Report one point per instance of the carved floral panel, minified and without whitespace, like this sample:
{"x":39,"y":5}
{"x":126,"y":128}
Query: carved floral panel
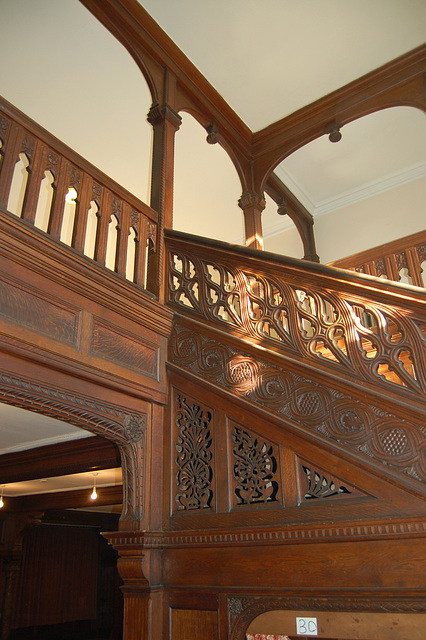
{"x":254,"y":470}
{"x":194,"y":459}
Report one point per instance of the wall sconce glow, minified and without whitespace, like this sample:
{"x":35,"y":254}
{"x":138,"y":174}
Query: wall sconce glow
{"x":1,"y":496}
{"x":94,"y":495}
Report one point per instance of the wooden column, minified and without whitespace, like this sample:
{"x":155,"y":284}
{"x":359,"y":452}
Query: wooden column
{"x":252,"y":205}
{"x":136,"y":587}
{"x":165,"y":122}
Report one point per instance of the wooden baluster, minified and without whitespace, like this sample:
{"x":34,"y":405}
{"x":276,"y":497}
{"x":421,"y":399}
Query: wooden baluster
{"x":80,"y":223}
{"x":414,"y":266}
{"x":392,"y":268}
{"x":102,"y":230}
{"x":123,"y":240}
{"x":141,"y":249}
{"x":43,"y":159}
{"x":11,"y":150}
{"x":60,"y":186}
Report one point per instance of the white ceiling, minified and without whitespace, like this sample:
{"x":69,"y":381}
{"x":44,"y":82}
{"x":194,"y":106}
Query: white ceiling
{"x":267,"y":58}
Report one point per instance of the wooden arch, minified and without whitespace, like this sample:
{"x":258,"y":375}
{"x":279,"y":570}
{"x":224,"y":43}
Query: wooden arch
{"x":125,"y":429}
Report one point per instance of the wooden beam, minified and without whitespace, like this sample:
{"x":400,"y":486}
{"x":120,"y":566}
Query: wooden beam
{"x":41,"y":502}
{"x":76,"y":456}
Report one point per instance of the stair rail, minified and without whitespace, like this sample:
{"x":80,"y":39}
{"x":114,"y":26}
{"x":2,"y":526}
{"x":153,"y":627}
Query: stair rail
{"x":398,"y":260}
{"x":355,"y":326}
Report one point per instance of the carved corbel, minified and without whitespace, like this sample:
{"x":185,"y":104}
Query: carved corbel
{"x":212,"y":134}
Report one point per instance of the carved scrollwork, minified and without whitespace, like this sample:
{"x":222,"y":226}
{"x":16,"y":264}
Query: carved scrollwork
{"x":4,"y":125}
{"x":194,"y":471}
{"x":372,"y":342}
{"x":96,"y":192}
{"x":75,"y":179}
{"x":254,"y":469}
{"x":116,"y":205}
{"x":28,"y":144}
{"x":356,"y":425}
{"x":321,"y":486}
{"x":134,"y":219}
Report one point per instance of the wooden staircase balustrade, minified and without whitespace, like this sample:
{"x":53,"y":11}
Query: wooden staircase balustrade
{"x":366,"y":329}
{"x":394,"y":260}
{"x":77,"y":188}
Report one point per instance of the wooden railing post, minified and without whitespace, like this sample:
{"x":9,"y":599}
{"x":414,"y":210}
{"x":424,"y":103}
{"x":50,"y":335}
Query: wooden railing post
{"x":252,"y":205}
{"x":165,"y":122}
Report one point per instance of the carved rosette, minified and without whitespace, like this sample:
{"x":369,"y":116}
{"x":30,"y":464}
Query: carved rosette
{"x":27,"y":146}
{"x":52,"y":162}
{"x":116,"y":208}
{"x":4,"y":125}
{"x":97,"y":193}
{"x":421,"y":252}
{"x":134,"y":219}
{"x":358,"y":426}
{"x":194,"y":446}
{"x":75,"y":179}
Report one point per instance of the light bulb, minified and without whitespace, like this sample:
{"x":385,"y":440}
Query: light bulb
{"x":1,"y":502}
{"x":94,"y":495}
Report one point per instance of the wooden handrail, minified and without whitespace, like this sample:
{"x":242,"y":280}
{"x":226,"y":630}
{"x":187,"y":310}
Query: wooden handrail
{"x":390,"y":260}
{"x":23,"y":142}
{"x":350,"y":325}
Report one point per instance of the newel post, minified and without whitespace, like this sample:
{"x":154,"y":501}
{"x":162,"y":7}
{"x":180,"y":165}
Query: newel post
{"x":252,"y":205}
{"x":165,"y":122}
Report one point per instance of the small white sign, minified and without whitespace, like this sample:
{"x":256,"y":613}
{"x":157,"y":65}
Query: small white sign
{"x":307,"y":626}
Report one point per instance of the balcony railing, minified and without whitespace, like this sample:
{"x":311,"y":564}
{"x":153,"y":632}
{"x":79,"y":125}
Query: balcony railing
{"x":361,"y":328}
{"x":49,"y":186}
{"x":403,"y":260}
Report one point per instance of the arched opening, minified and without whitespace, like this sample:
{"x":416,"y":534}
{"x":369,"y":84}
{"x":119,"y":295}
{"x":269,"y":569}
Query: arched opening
{"x":47,"y":467}
{"x":69,"y":216}
{"x":365,"y":190}
{"x":19,"y":185}
{"x":330,"y":625}
{"x":111,"y":251}
{"x":206,"y":187}
{"x":91,"y":229}
{"x":44,"y":202}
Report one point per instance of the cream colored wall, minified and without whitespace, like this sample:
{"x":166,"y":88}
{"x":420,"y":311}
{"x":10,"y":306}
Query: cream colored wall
{"x":69,"y":74}
{"x":62,"y":68}
{"x":363,"y":225}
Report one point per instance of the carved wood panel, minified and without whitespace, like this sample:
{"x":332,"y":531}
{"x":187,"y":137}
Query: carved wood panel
{"x":381,"y":344}
{"x":194,"y":458}
{"x":370,"y":431}
{"x":255,"y":477}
